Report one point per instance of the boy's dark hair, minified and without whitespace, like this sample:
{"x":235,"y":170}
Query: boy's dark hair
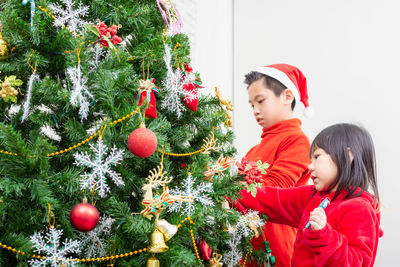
{"x":271,"y":83}
{"x":337,"y":140}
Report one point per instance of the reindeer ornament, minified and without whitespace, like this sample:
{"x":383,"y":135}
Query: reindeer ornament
{"x":154,"y":205}
{"x":157,"y":204}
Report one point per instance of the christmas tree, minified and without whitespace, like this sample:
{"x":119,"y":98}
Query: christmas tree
{"x":84,"y":84}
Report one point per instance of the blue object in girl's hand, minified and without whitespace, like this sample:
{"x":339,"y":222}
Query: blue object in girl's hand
{"x":322,"y":205}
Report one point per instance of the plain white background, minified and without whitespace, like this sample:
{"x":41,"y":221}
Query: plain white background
{"x":349,"y":52}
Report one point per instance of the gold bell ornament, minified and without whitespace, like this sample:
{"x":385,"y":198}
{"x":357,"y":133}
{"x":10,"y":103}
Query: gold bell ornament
{"x":4,"y":46}
{"x":168,"y":230}
{"x":157,"y":242}
{"x":153,"y":262}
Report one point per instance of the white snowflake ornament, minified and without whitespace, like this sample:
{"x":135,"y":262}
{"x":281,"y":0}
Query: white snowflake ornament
{"x":244,"y":227}
{"x":49,"y":244}
{"x":248,"y":222}
{"x":98,"y":53}
{"x":70,"y":16}
{"x":173,"y":85}
{"x":49,"y":132}
{"x":27,"y":103}
{"x":44,"y":109}
{"x":95,"y":126}
{"x":100,"y":168}
{"x":80,"y":94}
{"x":93,"y":242}
{"x":13,"y":110}
{"x":199,"y":194}
{"x":234,"y":255}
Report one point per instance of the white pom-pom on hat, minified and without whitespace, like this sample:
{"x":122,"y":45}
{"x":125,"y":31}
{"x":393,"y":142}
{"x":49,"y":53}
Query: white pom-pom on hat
{"x":293,"y":79}
{"x":308,"y":112}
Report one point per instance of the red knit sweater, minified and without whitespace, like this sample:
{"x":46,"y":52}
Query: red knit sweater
{"x":350,"y":237}
{"x":286,"y":148}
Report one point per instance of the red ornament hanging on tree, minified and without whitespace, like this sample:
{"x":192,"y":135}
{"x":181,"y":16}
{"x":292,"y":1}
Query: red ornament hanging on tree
{"x":84,"y":216}
{"x":142,"y":142}
{"x":191,"y":85}
{"x":205,"y":250}
{"x":191,"y":103}
{"x":146,"y":93}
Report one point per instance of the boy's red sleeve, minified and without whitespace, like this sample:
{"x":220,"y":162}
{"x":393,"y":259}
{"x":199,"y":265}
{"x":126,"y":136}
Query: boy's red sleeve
{"x":291,"y":162}
{"x":353,"y":243}
{"x":284,"y":206}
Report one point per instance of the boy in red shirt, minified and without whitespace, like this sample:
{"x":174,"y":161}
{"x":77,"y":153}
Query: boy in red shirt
{"x":273,"y":91}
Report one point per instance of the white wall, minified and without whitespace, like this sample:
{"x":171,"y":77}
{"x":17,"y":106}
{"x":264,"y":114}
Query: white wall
{"x":349,"y":51}
{"x":208,"y":24}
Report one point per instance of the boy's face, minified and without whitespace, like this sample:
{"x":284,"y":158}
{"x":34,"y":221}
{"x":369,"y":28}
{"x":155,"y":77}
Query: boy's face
{"x":268,"y":108}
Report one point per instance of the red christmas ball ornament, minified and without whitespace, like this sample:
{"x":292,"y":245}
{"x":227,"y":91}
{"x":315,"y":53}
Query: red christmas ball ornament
{"x":205,"y":250}
{"x":84,"y":216}
{"x":182,"y":165}
{"x":142,"y":142}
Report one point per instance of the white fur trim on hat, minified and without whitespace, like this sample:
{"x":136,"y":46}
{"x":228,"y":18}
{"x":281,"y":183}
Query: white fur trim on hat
{"x":282,"y":77}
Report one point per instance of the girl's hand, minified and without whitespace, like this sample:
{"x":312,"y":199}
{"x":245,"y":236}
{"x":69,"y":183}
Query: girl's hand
{"x":317,"y":219}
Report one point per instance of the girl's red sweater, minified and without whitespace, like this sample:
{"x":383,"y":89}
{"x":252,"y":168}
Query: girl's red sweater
{"x":350,"y":237}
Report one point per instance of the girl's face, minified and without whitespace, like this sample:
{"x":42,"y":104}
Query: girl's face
{"x":323,"y":170}
{"x":268,"y":108}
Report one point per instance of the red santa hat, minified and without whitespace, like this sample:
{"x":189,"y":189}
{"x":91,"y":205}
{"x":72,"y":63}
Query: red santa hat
{"x":293,"y":79}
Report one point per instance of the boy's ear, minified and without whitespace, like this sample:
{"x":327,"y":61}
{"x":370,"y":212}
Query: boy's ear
{"x":288,"y":96}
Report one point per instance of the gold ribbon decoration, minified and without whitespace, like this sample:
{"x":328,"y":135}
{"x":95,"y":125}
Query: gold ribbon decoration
{"x":216,"y":260}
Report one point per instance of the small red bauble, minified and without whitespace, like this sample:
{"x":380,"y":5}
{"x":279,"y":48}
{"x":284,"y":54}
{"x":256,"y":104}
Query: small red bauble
{"x":142,"y":142}
{"x":205,"y":250}
{"x":84,"y":217}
